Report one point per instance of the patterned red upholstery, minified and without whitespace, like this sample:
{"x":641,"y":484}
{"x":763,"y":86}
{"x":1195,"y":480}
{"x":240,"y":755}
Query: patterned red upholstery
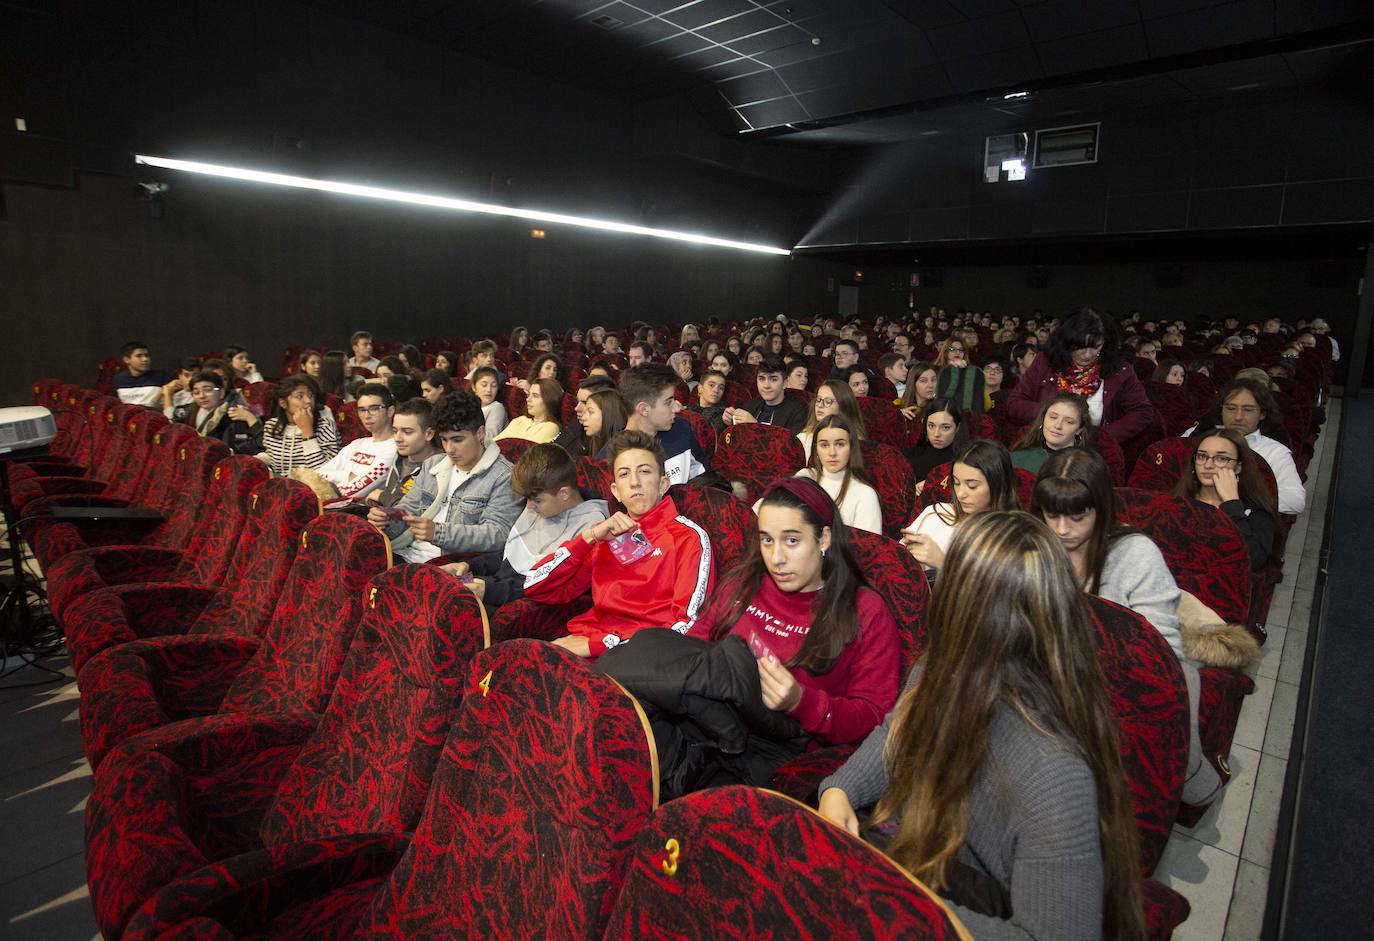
{"x":1202,"y":547}
{"x":513,"y":448}
{"x":737,"y":862}
{"x":895,"y":483}
{"x":1165,"y":910}
{"x":147,"y":683}
{"x":1150,"y":700}
{"x":882,"y":421}
{"x":349,"y":424}
{"x":703,"y":429}
{"x":258,"y":561}
{"x":892,"y":572}
{"x":366,"y":767}
{"x":938,"y":488}
{"x":545,"y":779}
{"x":526,"y":618}
{"x":1112,"y":456}
{"x":756,"y":454}
{"x":1175,"y":406}
{"x":1221,"y":697}
{"x":595,"y":475}
{"x":1160,"y":465}
{"x":116,"y":486}
{"x":732,"y":525}
{"x":204,"y":561}
{"x":177,"y":488}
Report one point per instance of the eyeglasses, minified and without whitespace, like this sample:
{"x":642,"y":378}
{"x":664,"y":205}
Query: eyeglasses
{"x":371,"y":409}
{"x":1240,"y":409}
{"x":1219,"y":460}
{"x":825,"y":403}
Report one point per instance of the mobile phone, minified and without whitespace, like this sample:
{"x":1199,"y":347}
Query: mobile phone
{"x":394,"y":512}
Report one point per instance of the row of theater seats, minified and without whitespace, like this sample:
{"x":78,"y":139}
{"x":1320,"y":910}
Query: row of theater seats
{"x":265,"y":729}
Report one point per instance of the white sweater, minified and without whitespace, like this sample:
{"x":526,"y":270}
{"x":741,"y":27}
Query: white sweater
{"x":860,"y":508}
{"x":360,"y":466}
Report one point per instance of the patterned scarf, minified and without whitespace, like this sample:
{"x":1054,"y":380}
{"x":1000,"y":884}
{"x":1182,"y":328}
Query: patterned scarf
{"x":1083,"y":380}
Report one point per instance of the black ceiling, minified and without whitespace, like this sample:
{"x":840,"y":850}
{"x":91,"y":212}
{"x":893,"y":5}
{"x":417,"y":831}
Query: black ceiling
{"x":841,"y":72}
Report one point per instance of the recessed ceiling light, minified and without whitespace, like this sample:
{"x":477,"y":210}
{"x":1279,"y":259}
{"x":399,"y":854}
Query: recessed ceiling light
{"x":1016,"y":96}
{"x":607,"y":22}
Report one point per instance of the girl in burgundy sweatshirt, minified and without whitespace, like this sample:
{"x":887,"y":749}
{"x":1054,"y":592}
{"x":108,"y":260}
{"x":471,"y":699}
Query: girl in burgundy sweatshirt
{"x":826,"y":645}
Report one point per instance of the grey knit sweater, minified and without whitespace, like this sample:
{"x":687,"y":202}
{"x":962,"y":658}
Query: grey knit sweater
{"x":1032,"y":824}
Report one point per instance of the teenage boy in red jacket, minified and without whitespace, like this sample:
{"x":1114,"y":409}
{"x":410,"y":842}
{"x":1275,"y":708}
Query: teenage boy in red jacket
{"x":645,"y":567}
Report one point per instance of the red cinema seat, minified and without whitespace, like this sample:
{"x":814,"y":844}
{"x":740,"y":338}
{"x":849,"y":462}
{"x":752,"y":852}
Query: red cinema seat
{"x":756,"y":454}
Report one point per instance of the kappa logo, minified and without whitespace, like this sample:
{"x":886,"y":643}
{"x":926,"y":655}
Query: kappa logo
{"x":657,"y":553}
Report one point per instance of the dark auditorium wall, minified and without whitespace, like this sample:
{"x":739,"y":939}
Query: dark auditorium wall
{"x":86,"y":265}
{"x":1252,"y":290}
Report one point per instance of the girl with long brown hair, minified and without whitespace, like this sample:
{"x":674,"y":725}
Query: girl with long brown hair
{"x":1222,"y":472}
{"x":834,"y":397}
{"x":998,"y":776}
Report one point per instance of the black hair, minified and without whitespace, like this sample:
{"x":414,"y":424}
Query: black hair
{"x":439,"y":379}
{"x":451,"y":358}
{"x":128,"y":348}
{"x":1082,"y":328}
{"x":379,"y":390}
{"x":458,"y":411}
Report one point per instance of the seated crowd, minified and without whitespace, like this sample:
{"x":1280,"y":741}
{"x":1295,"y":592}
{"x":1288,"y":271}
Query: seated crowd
{"x":991,"y":770}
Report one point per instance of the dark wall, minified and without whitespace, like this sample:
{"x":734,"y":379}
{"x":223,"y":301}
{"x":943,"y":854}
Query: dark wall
{"x":278,"y":85}
{"x":1283,"y":157}
{"x":1249,"y":290}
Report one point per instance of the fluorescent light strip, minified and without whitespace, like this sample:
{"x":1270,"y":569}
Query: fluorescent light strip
{"x":445,"y":202}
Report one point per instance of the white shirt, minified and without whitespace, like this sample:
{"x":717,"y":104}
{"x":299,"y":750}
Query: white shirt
{"x":932,"y":523}
{"x":1095,"y":404}
{"x":1292,"y":493}
{"x":360,"y":466}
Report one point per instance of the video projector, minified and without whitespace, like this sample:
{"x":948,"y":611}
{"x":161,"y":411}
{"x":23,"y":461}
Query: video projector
{"x":25,"y":426}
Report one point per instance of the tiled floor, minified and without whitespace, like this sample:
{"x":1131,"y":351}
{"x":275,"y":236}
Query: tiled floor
{"x":1222,"y":865}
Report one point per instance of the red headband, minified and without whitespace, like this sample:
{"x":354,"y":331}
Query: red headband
{"x":808,"y":492}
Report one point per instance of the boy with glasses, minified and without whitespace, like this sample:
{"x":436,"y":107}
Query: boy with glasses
{"x":362,"y":465}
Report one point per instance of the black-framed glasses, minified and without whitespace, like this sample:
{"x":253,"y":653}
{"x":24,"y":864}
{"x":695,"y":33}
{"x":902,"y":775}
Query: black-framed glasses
{"x":371,"y":409}
{"x":1218,"y":460}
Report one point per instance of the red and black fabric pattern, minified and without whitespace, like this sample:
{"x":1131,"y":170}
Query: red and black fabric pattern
{"x":1160,"y":465}
{"x":1112,"y":457}
{"x":1201,"y":545}
{"x":526,"y":618}
{"x":1221,"y":697}
{"x":214,"y":534}
{"x":938,"y":487}
{"x":595,"y":475}
{"x":278,"y":777}
{"x":144,"y":684}
{"x":756,"y":454}
{"x":1145,"y":684}
{"x":512,"y":449}
{"x":1165,"y":910}
{"x":107,"y":446}
{"x":546,"y":777}
{"x":317,"y":612}
{"x":1175,"y":406}
{"x":882,"y":421}
{"x":184,"y":466}
{"x":733,"y":526}
{"x":742,"y":863}
{"x":368,"y":765}
{"x":349,"y":424}
{"x":258,"y":564}
{"x":895,"y":483}
{"x":704,"y":431}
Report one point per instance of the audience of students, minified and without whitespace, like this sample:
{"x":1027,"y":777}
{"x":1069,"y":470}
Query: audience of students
{"x":300,"y":432}
{"x":1248,"y":408}
{"x":652,"y":409}
{"x":771,"y":406}
{"x":540,"y":423}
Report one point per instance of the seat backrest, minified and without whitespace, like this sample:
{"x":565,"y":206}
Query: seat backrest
{"x":733,"y":526}
{"x":882,"y":421}
{"x":182,"y":486}
{"x":757,"y":453}
{"x":1202,"y":547}
{"x":703,"y":429}
{"x":893,"y":573}
{"x":744,"y":863}
{"x":349,"y":424}
{"x":938,"y":488}
{"x":594,"y":474}
{"x":1145,"y":685}
{"x":278,"y":510}
{"x":258,"y":396}
{"x":547,"y":775}
{"x":1160,"y":465}
{"x":512,"y":449}
{"x":140,"y":458}
{"x":316,"y":615}
{"x":221,"y":515}
{"x":367,"y":767}
{"x":895,"y":483}
{"x":1112,"y":456}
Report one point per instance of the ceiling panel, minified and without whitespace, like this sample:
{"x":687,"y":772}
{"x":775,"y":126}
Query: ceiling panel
{"x":1056,"y":19}
{"x":995,"y":33}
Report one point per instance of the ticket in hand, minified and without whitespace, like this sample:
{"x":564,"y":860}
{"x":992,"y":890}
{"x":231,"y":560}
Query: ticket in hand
{"x":757,"y":645}
{"x":630,"y":547}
